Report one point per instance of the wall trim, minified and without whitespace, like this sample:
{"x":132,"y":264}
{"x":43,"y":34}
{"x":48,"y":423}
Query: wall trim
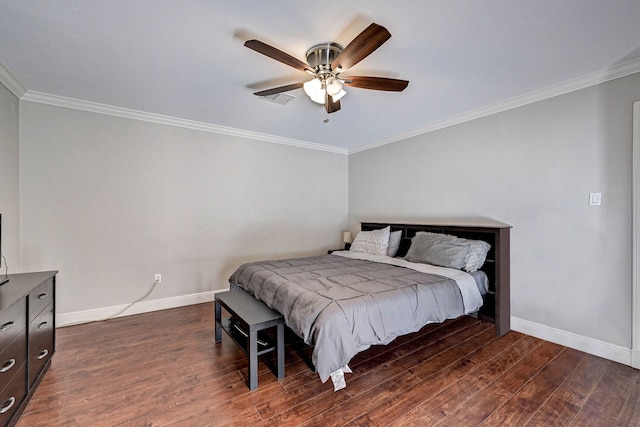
{"x":7,"y":79}
{"x":94,"y":107}
{"x":588,"y":345}
{"x":592,"y":79}
{"x":588,"y":80}
{"x":99,"y":314}
{"x":592,"y":346}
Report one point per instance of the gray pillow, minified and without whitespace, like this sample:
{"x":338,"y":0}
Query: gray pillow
{"x":437,"y":249}
{"x":447,"y":251}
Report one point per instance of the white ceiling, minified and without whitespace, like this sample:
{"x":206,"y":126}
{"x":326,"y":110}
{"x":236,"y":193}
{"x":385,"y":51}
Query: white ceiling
{"x":186,"y":60}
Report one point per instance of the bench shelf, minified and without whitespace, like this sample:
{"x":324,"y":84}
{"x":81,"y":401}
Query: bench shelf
{"x":241,"y":337}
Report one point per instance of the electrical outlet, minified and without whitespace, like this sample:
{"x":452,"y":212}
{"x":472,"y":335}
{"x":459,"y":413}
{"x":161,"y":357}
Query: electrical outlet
{"x":158,"y":278}
{"x":595,"y":199}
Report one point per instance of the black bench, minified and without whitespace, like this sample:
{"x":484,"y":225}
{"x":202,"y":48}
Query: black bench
{"x":248,"y":317}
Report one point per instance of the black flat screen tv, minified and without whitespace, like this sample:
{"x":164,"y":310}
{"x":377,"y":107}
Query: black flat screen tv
{"x":3,"y":278}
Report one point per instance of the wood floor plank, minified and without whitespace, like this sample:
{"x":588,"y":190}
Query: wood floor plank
{"x":495,"y":346}
{"x":555,"y":412}
{"x":128,"y":372}
{"x":457,"y":351}
{"x":630,"y":415}
{"x":527,"y":367}
{"x":457,"y":392}
{"x":437,"y":340}
{"x":580,"y":384}
{"x":411,"y":398}
{"x":210,"y":418}
{"x":611,"y":393}
{"x":281,"y":403}
{"x":306,"y":410}
{"x":412,"y":361}
{"x":477,"y":409}
{"x":526,"y":401}
{"x":364,"y":402}
{"x":400,"y":346}
{"x":416,"y":418}
{"x":591,"y":417}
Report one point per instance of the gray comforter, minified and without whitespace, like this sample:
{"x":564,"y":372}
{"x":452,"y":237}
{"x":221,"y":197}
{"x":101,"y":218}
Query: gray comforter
{"x":342,"y":306}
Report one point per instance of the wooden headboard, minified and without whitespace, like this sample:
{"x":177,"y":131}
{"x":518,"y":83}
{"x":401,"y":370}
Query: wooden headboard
{"x":497,"y":303}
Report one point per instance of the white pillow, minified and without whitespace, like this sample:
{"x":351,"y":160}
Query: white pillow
{"x":375,"y":242}
{"x":477,"y":255}
{"x":394,"y":243}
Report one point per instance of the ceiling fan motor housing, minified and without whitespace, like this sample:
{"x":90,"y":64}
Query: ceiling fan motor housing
{"x":320,"y":56}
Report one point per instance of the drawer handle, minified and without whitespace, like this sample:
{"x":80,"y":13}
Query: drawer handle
{"x":7,"y":404}
{"x":8,"y":365}
{"x":42,"y":325}
{"x":43,"y":354}
{"x":43,"y":295}
{"x":7,"y":325}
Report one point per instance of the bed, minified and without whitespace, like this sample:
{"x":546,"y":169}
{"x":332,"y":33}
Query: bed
{"x":346,"y":301}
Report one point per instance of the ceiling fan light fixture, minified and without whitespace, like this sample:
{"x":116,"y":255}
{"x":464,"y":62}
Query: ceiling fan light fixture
{"x":338,"y":95}
{"x":333,"y":85}
{"x":314,"y":89}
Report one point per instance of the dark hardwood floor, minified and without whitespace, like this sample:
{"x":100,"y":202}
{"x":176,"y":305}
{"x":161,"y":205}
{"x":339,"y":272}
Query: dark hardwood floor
{"x":164,"y":369}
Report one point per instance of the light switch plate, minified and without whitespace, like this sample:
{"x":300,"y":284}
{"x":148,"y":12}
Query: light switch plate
{"x":595,"y":199}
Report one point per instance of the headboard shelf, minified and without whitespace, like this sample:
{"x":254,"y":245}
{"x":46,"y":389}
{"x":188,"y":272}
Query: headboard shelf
{"x":497,"y":304}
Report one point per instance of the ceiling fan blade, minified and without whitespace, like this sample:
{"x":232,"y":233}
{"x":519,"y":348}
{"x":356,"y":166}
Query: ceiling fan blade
{"x":279,"y":89}
{"x":376,"y":83}
{"x":362,"y":46}
{"x":277,"y":54}
{"x":330,"y":105}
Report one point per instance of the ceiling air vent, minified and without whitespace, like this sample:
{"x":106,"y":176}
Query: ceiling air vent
{"x":278,"y":98}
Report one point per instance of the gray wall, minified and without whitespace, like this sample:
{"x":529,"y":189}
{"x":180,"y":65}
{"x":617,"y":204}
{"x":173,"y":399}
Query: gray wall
{"x":9,"y":179}
{"x":110,"y":201}
{"x":532,"y":167}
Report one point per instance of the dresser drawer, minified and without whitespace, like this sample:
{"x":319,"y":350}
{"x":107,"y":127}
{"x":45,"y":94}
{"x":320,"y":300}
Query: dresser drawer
{"x":13,"y":395}
{"x":40,"y":297}
{"x":12,"y":322}
{"x":39,"y":354}
{"x":12,"y":358}
{"x":42,"y":326}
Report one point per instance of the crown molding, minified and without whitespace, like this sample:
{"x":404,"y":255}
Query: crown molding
{"x":93,"y":107}
{"x":588,"y":80}
{"x":7,"y":79}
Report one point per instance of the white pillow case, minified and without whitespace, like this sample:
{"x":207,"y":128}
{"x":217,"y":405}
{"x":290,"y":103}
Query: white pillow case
{"x":375,"y":242}
{"x":477,"y":255}
{"x":394,"y":243}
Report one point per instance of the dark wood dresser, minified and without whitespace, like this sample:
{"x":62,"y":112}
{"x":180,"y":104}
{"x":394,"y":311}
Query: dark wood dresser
{"x":27,"y":338}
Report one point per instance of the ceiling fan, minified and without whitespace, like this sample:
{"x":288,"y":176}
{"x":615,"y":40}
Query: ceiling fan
{"x":326,"y":61}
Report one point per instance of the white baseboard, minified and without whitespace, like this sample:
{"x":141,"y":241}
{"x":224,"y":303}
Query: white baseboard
{"x":635,"y":358}
{"x":598,"y":348}
{"x":97,"y":314}
{"x":588,"y":345}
